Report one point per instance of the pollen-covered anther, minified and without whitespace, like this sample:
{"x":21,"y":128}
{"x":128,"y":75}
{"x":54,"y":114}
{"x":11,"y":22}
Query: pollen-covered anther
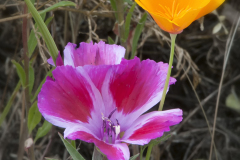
{"x":110,"y":130}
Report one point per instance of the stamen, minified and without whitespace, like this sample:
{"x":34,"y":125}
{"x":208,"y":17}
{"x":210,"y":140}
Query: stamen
{"x":112,"y":113}
{"x":110,"y":130}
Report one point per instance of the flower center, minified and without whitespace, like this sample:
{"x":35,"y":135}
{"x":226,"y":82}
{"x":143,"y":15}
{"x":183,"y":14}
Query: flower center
{"x":174,"y":12}
{"x":110,"y":130}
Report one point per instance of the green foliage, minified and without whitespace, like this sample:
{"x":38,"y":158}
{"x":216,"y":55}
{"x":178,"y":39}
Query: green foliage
{"x":73,"y":143}
{"x":71,"y":150}
{"x":233,"y":101}
{"x":34,"y":117}
{"x":57,"y":5}
{"x":10,"y":102}
{"x":32,"y":41}
{"x":43,"y":28}
{"x":20,"y":72}
{"x":50,"y":158}
{"x":129,"y":2}
{"x":134,"y":157}
{"x":114,"y":7}
{"x":154,"y":142}
{"x":137,"y":34}
{"x":42,"y":131}
{"x":31,"y":78}
{"x":110,"y":40}
{"x":128,"y":21}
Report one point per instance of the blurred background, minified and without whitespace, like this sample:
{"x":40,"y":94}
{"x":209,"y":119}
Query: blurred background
{"x":200,"y":53}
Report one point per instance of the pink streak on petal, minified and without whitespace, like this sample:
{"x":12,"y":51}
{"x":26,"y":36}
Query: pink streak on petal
{"x":151,"y":125}
{"x":109,"y":54}
{"x":68,"y":99}
{"x":112,"y":151}
{"x":134,"y":84}
{"x":59,"y":60}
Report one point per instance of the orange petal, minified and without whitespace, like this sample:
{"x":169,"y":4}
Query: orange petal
{"x":153,"y":5}
{"x":212,"y":5}
{"x":166,"y":25}
{"x":187,"y":19}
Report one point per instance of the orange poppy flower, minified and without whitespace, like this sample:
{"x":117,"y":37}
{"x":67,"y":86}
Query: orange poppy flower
{"x":175,"y":15}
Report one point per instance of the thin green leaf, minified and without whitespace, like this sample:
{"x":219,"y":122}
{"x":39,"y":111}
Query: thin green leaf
{"x":128,"y":1}
{"x":137,"y":34}
{"x":31,"y":79}
{"x":42,"y":131}
{"x":9,"y":103}
{"x":73,"y":143}
{"x":114,"y":7}
{"x":20,"y":72}
{"x":33,"y":1}
{"x":34,"y":117}
{"x":44,"y":31}
{"x":110,"y":40}
{"x":160,"y":139}
{"x":50,"y":158}
{"x":32,"y":41}
{"x":71,"y":150}
{"x":128,"y":21}
{"x":134,"y":157}
{"x":49,"y":73}
{"x":57,"y":5}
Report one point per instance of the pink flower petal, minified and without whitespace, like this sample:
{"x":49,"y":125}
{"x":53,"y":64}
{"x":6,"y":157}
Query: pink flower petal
{"x":81,"y":56}
{"x":59,"y":60}
{"x":109,"y":54}
{"x":92,"y":54}
{"x":118,"y":151}
{"x":134,"y":87}
{"x":151,"y":125}
{"x":72,"y":98}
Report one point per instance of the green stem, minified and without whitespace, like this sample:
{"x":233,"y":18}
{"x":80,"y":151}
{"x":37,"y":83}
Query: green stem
{"x":173,"y":38}
{"x":149,"y":151}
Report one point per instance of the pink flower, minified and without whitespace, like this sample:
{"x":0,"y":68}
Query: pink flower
{"x":89,"y":53}
{"x":104,"y":104}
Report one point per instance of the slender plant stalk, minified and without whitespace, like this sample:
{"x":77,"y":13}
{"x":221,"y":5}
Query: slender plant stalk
{"x":226,"y":56}
{"x":173,"y":38}
{"x":149,"y":151}
{"x":26,"y":70}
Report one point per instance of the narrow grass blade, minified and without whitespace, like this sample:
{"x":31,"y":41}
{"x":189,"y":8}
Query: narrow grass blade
{"x":20,"y":72}
{"x":114,"y":7}
{"x":57,"y":5}
{"x":44,"y":30}
{"x":71,"y":150}
{"x":42,"y":131}
{"x":134,"y":157}
{"x":110,"y":40}
{"x":31,"y":78}
{"x":137,"y":34}
{"x":9,"y":104}
{"x":34,"y":117}
{"x":128,"y":21}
